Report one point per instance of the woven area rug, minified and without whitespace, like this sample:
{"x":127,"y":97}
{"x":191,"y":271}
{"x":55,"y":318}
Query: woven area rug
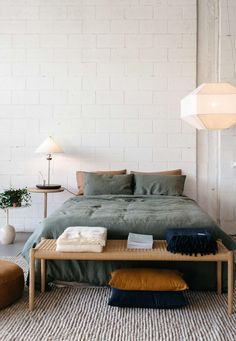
{"x":82,"y":314}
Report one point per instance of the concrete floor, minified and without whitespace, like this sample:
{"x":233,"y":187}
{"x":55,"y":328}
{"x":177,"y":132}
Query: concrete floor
{"x":16,"y":248}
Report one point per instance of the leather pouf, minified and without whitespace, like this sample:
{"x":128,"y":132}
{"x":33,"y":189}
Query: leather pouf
{"x":11,"y":283}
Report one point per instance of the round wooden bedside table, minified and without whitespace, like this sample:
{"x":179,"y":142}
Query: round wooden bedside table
{"x":45,"y":192}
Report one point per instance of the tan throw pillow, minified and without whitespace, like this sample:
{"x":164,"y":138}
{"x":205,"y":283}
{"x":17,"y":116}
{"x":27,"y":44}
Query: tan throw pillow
{"x":166,"y":172}
{"x":80,"y":177}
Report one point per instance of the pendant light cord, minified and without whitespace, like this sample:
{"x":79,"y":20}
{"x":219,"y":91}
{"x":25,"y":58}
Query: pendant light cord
{"x":218,"y":62}
{"x":229,"y":35}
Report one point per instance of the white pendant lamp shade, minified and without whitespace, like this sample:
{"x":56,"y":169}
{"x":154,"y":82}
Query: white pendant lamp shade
{"x":210,"y":106}
{"x":49,"y":147}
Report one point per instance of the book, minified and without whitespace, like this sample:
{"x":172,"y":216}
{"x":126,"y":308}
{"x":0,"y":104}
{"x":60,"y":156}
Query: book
{"x":140,"y":241}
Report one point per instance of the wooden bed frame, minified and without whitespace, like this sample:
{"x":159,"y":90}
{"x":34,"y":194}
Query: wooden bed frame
{"x":117,"y":250}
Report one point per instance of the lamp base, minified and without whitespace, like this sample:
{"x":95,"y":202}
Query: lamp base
{"x":48,"y":186}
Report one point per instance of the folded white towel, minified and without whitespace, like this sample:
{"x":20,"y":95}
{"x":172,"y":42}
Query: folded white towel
{"x":79,"y":248}
{"x":83,"y":235}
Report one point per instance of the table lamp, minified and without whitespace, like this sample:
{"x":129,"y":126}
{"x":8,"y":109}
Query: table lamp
{"x":49,"y":147}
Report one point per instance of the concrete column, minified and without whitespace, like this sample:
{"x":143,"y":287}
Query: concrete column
{"x":207,"y":66}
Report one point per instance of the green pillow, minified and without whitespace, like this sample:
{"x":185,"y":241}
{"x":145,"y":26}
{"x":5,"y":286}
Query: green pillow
{"x":98,"y":184}
{"x":159,"y":184}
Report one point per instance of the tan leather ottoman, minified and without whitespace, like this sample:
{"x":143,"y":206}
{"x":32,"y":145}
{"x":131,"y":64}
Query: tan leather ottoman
{"x":11,"y":283}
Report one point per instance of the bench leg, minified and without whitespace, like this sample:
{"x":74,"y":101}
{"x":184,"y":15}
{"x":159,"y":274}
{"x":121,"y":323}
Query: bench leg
{"x":32,"y":280}
{"x":230,"y":282}
{"x":219,"y":278}
{"x":43,"y":274}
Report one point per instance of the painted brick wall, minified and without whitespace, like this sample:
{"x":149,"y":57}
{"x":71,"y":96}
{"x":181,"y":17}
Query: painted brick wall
{"x":104,"y":78}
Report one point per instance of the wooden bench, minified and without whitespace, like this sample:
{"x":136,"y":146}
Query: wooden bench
{"x":117,"y":250}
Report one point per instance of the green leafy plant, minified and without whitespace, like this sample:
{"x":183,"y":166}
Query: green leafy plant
{"x":15,"y":198}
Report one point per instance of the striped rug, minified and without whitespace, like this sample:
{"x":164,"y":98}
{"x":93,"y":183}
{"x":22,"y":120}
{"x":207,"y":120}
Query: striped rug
{"x":82,"y":314}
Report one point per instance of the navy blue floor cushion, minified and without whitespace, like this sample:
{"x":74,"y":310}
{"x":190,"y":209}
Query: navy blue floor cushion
{"x":191,"y":241}
{"x":147,"y":299}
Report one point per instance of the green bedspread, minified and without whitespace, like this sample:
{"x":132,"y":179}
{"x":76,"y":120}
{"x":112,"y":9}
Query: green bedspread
{"x":121,"y":215}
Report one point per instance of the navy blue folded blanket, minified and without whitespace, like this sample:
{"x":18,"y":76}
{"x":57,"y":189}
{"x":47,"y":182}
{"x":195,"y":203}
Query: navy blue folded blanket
{"x":191,"y":241}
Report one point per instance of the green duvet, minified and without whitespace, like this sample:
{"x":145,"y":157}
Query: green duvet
{"x":123,"y":214}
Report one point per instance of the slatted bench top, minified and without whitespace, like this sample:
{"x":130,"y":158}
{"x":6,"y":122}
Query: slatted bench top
{"x":117,"y":250}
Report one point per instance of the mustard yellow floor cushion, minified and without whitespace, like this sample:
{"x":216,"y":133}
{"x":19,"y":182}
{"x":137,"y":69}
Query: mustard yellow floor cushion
{"x":147,"y":279}
{"x":11,"y":283}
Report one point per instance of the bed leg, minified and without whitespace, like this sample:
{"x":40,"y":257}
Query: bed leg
{"x":219,"y":277}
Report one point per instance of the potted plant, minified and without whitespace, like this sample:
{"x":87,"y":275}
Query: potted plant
{"x":12,"y":198}
{"x":15,"y":198}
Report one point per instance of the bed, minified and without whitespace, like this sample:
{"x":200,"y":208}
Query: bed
{"x":121,"y":214}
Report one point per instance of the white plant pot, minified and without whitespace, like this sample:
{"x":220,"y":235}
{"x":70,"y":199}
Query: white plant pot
{"x":7,"y":234}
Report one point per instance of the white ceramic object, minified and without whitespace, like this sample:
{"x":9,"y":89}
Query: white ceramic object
{"x":7,"y":234}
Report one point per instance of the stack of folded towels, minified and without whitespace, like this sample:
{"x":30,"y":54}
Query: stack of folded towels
{"x":82,"y":239}
{"x":147,"y":288}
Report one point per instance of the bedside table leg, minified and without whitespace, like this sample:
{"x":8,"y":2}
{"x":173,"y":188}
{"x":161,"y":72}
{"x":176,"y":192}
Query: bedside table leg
{"x":45,"y":205}
{"x":219,"y":278}
{"x":32,"y":280}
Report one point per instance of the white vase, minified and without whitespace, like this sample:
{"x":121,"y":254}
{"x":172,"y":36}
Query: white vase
{"x":7,"y":234}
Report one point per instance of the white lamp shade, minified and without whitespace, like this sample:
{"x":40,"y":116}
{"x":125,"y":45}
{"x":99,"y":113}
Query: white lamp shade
{"x":210,"y":106}
{"x":49,"y":147}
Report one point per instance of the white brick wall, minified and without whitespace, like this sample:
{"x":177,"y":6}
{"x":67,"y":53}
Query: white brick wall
{"x":105,"y":79}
